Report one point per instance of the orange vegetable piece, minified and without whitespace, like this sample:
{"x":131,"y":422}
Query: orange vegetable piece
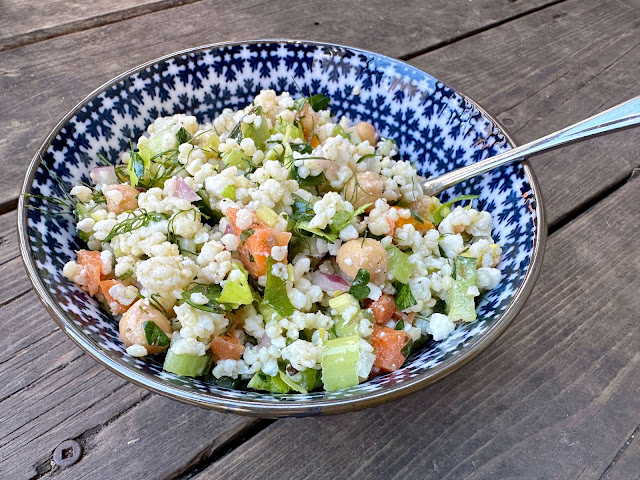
{"x":92,"y":264}
{"x":257,"y":247}
{"x":129,"y":198}
{"x":383,"y":309}
{"x":227,"y":347}
{"x":314,"y":141}
{"x":387,"y":345}
{"x":115,"y":306}
{"x":401,"y":222}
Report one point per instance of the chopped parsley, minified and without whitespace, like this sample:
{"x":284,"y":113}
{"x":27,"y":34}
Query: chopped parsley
{"x":275,"y":292}
{"x":246,"y":234}
{"x":154,"y":334}
{"x":134,"y":223}
{"x":359,"y":287}
{"x":403,"y":298}
{"x":212,"y":292}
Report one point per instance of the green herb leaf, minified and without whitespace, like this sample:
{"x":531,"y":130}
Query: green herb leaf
{"x":416,"y":217}
{"x":299,"y":103}
{"x":359,"y":287}
{"x":301,"y":147}
{"x":275,"y":292}
{"x":319,"y":102}
{"x":308,"y":181}
{"x":246,"y":234}
{"x":443,"y":254}
{"x":301,"y":209}
{"x":183,"y":136}
{"x":134,"y":223}
{"x":440,"y":306}
{"x":444,"y":209}
{"x":252,"y":258}
{"x":154,"y":334}
{"x":406,"y":350}
{"x":399,"y":325}
{"x":343,"y":218}
{"x":135,"y":168}
{"x":403,"y":298}
{"x":212,"y":292}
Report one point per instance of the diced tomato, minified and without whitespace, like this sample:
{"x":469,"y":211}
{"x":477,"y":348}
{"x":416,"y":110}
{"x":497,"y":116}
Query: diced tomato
{"x":227,"y":347}
{"x":115,"y":306}
{"x":129,"y":199}
{"x":92,"y":264}
{"x":257,"y":247}
{"x":387,"y":346}
{"x":383,"y":309}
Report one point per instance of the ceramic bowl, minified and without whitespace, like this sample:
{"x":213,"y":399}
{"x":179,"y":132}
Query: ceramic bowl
{"x":434,"y":125}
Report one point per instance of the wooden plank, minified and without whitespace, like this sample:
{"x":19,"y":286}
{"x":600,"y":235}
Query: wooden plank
{"x":22,"y":23}
{"x":51,"y":392}
{"x":156,"y":440}
{"x":554,"y":397}
{"x":40,"y":83}
{"x":626,"y":464}
{"x":8,"y":237}
{"x":548,"y":70}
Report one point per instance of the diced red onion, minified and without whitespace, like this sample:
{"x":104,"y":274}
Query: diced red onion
{"x":181,"y":189}
{"x":104,"y":176}
{"x":265,"y":341}
{"x":330,"y":283}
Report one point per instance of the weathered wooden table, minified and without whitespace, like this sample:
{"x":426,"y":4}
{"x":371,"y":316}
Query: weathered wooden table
{"x":557,"y":396}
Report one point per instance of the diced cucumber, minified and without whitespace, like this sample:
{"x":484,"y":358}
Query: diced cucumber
{"x":260,"y":134}
{"x":338,"y":130}
{"x":186,"y":365}
{"x":267,"y":215}
{"x":339,"y":363}
{"x":204,"y":205}
{"x":460,"y":305}
{"x":398,"y":264}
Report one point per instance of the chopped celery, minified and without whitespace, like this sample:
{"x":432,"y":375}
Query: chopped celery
{"x":235,"y":158}
{"x":308,"y":380}
{"x":460,"y":305}
{"x":210,"y":147}
{"x":388,"y":146}
{"x":186,"y":365}
{"x":338,"y":130}
{"x":82,"y":212}
{"x":289,"y":130}
{"x":147,"y":154}
{"x":398,"y":264}
{"x":267,"y":215}
{"x":156,"y":142}
{"x":187,"y":245}
{"x":126,"y":274}
{"x":261,"y":381}
{"x":229,"y":192}
{"x":443,"y":210}
{"x":237,"y":292}
{"x":260,"y":134}
{"x":345,"y":329}
{"x":344,"y":301}
{"x":268,"y":312}
{"x":339,"y":363}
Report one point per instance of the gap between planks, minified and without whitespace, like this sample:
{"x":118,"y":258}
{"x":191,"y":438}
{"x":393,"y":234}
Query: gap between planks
{"x":478,"y":31}
{"x":88,"y":23}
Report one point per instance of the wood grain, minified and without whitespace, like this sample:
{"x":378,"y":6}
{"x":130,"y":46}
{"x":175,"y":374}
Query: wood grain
{"x":548,"y":70}
{"x":626,"y":463}
{"x":39,"y":83}
{"x":24,"y":22}
{"x":554,"y":397}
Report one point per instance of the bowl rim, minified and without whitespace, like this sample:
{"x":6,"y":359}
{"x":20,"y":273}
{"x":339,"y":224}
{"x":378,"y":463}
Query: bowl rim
{"x":257,"y":407}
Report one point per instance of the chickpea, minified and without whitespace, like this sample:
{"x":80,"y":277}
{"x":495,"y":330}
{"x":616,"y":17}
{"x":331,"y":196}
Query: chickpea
{"x":368,"y":254}
{"x":121,"y":199}
{"x":132,"y":330}
{"x":309,"y":121}
{"x":366,"y":131}
{"x":369,"y":187}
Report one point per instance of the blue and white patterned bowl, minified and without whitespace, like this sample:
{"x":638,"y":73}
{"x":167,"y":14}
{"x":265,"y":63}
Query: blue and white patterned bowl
{"x":433,"y":124}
